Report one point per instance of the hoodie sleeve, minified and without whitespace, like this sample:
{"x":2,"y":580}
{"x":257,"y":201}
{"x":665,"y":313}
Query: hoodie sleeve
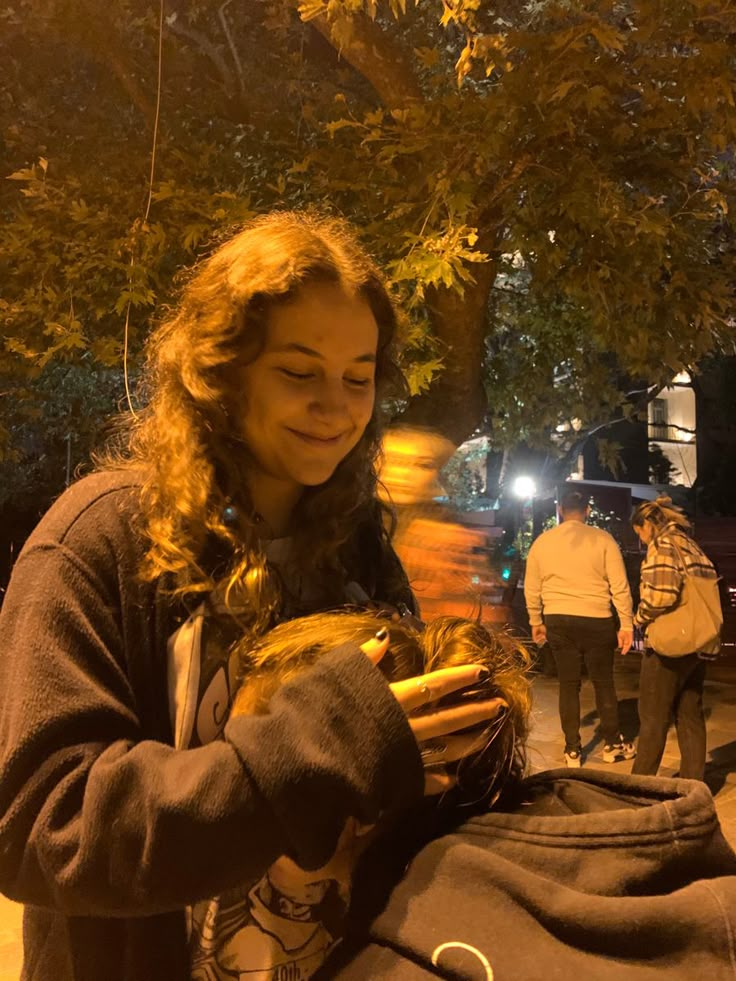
{"x":96,"y":819}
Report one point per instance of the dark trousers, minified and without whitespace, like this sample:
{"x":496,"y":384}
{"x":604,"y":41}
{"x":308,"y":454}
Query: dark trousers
{"x":589,"y":640}
{"x":671,"y":686}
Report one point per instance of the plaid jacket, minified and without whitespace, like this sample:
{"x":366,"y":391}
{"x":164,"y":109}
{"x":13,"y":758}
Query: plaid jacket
{"x":662,"y":572}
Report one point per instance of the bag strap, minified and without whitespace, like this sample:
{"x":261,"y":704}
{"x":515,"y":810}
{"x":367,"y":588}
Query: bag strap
{"x":685,"y":571}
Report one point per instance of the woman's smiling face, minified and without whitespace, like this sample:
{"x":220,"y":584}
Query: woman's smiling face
{"x":309,"y":394}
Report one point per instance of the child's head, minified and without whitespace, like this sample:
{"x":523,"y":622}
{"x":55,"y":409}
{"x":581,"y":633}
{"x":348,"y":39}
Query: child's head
{"x":293,"y":647}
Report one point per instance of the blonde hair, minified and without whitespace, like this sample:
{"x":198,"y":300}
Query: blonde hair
{"x":660,"y":513}
{"x":292,"y":647}
{"x":187,"y":442}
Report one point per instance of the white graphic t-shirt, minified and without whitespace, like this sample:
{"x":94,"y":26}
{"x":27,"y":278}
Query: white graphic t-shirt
{"x":282,"y":926}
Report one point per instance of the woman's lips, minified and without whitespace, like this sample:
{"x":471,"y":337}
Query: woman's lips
{"x":317,"y":440}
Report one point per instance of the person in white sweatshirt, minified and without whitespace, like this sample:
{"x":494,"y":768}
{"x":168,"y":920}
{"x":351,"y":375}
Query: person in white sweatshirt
{"x":574,"y":572}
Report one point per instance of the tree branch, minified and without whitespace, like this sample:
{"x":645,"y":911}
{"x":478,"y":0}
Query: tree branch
{"x":456,"y":403}
{"x":102,"y":44}
{"x":379,"y":58}
{"x":207,"y":48}
{"x":671,"y":425}
{"x":232,"y":45}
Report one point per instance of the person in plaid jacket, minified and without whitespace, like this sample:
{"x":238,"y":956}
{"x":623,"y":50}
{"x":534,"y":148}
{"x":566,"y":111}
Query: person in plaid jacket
{"x":669,"y":685}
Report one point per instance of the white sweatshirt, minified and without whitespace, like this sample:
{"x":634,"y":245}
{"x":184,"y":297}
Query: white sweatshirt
{"x":576,"y":570}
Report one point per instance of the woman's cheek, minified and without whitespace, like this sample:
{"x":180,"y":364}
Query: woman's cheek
{"x":367,"y":403}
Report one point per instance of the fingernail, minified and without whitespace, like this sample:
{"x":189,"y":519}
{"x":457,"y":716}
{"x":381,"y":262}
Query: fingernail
{"x":483,"y":674}
{"x":382,"y":634}
{"x":433,"y":749}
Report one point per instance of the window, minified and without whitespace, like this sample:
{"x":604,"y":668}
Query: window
{"x":659,"y":428}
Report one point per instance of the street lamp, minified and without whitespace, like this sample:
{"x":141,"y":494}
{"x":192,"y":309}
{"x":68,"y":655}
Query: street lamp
{"x":524,"y":488}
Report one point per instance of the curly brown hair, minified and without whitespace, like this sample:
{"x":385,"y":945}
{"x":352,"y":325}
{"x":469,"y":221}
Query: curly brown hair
{"x":186,"y":442}
{"x":292,"y":647}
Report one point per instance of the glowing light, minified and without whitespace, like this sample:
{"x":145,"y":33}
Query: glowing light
{"x":524,"y":487}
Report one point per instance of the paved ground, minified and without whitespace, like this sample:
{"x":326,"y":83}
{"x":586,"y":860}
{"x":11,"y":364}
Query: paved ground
{"x":546,"y":751}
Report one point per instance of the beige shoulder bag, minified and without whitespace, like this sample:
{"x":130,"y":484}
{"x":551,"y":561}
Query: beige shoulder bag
{"x":694,"y":624}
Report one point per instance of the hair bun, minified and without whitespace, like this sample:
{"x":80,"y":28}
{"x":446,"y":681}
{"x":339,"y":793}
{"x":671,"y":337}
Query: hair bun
{"x":664,"y":501}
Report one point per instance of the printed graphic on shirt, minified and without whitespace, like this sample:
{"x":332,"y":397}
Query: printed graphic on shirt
{"x":202,"y":674}
{"x":468,"y":953}
{"x":280,"y":929}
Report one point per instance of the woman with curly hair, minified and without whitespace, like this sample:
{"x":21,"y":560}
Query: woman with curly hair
{"x":669,"y":685}
{"x":285,"y":922}
{"x":244,"y":494}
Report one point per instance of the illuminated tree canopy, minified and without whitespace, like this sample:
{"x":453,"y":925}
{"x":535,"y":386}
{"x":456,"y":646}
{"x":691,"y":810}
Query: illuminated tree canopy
{"x":549,"y":184}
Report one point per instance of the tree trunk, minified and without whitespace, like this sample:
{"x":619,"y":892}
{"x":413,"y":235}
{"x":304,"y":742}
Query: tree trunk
{"x":455,"y":404}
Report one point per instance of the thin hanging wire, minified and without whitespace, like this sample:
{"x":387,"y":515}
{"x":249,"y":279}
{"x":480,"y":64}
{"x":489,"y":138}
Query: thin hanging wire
{"x":154,"y":145}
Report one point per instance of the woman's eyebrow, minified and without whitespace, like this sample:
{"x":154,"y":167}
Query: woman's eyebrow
{"x":368,"y":358}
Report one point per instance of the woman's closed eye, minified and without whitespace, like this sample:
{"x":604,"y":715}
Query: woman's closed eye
{"x":296,"y":375}
{"x":302,"y":376}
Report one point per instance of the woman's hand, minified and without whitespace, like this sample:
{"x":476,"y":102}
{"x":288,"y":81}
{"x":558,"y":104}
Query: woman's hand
{"x":436,"y":730}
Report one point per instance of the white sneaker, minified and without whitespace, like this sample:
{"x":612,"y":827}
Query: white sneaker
{"x":620,"y":750}
{"x":574,"y":759}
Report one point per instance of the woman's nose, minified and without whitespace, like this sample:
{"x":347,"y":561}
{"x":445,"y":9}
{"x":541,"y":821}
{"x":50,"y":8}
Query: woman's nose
{"x":329,"y":398}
